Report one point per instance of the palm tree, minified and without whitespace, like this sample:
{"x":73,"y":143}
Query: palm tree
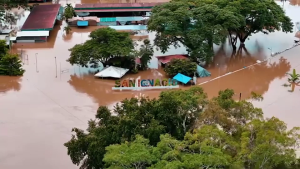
{"x":294,"y":80}
{"x":67,"y":29}
{"x":294,"y":77}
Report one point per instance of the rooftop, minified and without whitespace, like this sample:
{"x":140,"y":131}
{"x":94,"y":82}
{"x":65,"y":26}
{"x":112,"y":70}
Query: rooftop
{"x":115,"y":6}
{"x":168,"y":58}
{"x":42,"y":17}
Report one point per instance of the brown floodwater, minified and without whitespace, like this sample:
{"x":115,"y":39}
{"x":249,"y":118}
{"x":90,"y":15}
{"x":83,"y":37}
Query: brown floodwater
{"x":38,"y":110}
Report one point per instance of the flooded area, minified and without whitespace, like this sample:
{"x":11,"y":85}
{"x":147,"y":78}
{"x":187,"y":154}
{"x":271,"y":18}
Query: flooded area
{"x":38,"y":110}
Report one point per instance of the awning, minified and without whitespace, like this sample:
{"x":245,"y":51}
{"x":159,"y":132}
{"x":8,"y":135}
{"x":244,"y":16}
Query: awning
{"x":108,"y":19}
{"x":114,"y":72}
{"x":82,"y":23}
{"x":202,"y":72}
{"x":32,"y":33}
{"x":182,"y":78}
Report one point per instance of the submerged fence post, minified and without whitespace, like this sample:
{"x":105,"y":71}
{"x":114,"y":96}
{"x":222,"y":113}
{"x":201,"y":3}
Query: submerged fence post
{"x":240,"y":96}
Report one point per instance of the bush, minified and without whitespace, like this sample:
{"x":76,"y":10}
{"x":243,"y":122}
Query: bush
{"x":183,"y":66}
{"x":11,"y":65}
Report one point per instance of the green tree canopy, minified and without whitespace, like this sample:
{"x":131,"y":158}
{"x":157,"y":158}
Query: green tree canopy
{"x":183,"y":66}
{"x":5,"y":5}
{"x":197,"y":25}
{"x":69,"y":12}
{"x":258,"y":16}
{"x":11,"y":65}
{"x":105,"y":44}
{"x":174,"y":112}
{"x":182,"y":129}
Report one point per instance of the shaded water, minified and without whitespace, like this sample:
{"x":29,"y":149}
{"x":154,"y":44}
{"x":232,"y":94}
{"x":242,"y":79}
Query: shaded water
{"x":38,"y":110}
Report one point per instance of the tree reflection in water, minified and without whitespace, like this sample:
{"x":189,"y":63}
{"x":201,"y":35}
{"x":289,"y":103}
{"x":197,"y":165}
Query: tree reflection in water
{"x":8,"y":83}
{"x":246,"y":81}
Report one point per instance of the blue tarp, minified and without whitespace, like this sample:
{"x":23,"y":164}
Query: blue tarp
{"x":82,"y":23}
{"x":182,"y":78}
{"x":202,"y":72}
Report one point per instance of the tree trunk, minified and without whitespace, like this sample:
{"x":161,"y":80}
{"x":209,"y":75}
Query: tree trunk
{"x":233,"y":40}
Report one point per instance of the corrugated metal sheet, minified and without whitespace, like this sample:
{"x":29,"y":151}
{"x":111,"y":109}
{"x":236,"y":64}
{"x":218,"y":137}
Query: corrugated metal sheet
{"x":108,"y":19}
{"x":116,"y":5}
{"x":42,"y":17}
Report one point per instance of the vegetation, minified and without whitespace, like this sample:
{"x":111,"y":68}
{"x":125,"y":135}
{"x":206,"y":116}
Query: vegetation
{"x":183,"y":66}
{"x":198,"y":24}
{"x":67,"y":29}
{"x":10,"y":64}
{"x":8,"y":17}
{"x":145,"y":54}
{"x":109,"y":47}
{"x":69,"y":12}
{"x":184,"y":129}
{"x":294,"y":77}
{"x":294,"y":80}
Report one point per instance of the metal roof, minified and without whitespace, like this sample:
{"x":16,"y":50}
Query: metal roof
{"x":168,"y":58}
{"x":112,"y":10}
{"x":42,"y":17}
{"x":115,"y":5}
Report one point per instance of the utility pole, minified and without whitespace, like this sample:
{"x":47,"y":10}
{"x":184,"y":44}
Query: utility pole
{"x":55,"y":67}
{"x":36,"y":69}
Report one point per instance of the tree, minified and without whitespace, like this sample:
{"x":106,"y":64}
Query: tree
{"x":171,"y":113}
{"x":182,"y":129}
{"x":183,"y":66}
{"x":105,"y":44}
{"x":294,"y":77}
{"x":195,"y":24}
{"x":145,"y":53}
{"x":11,"y":65}
{"x":259,"y":16}
{"x":69,"y":12}
{"x":7,"y":17}
{"x":67,"y":29}
{"x":267,"y":143}
{"x":3,"y":48}
{"x":204,"y":148}
{"x":137,"y":154}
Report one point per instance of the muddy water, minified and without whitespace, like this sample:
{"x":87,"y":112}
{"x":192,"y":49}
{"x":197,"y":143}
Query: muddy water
{"x":38,"y":110}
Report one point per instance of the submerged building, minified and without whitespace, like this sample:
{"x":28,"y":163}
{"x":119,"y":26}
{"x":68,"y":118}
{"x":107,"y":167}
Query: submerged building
{"x":39,"y":24}
{"x":119,"y":16}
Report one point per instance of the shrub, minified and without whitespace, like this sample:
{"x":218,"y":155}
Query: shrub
{"x":183,"y":66}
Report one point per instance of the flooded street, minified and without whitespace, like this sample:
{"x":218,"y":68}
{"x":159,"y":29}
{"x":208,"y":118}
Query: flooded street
{"x":38,"y":110}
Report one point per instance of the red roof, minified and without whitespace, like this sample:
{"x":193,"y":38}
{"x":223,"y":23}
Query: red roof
{"x":111,"y":10}
{"x":168,"y":58}
{"x":116,"y":5}
{"x":42,"y":17}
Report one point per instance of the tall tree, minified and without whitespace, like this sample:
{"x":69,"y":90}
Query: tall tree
{"x":145,"y":54}
{"x":259,"y":16}
{"x":137,"y":154}
{"x":105,"y":44}
{"x":197,"y":25}
{"x":174,"y":112}
{"x":5,"y":5}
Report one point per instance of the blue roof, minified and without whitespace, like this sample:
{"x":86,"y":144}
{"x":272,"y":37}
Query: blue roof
{"x":182,"y":78}
{"x":82,"y":23}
